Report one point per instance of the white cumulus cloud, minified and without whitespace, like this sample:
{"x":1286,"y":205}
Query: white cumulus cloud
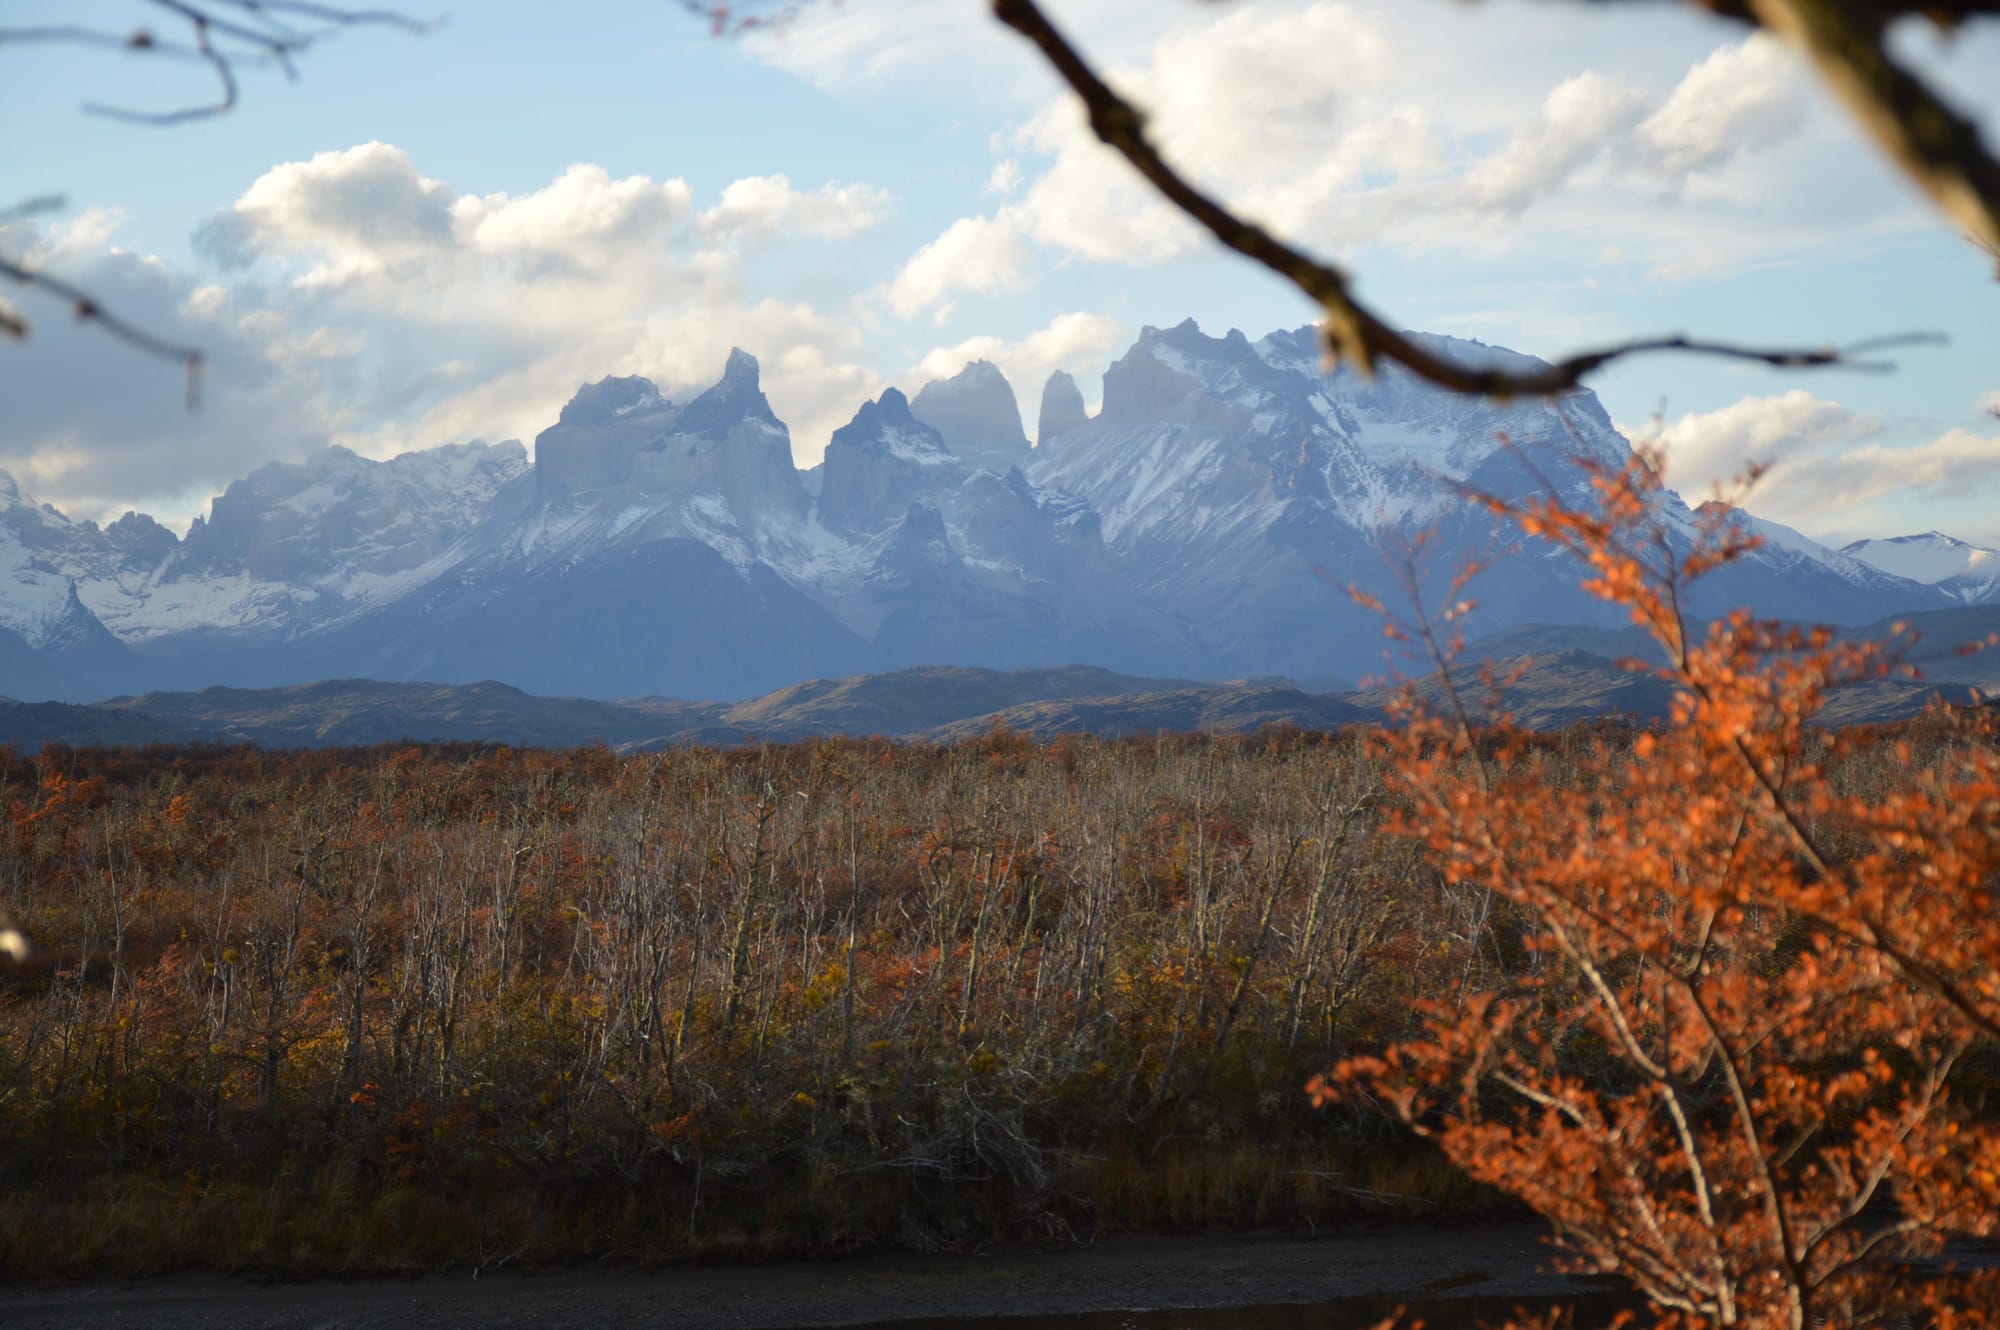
{"x":767,"y":205}
{"x":1341,"y":126}
{"x":1711,"y":448}
{"x":359,"y":211}
{"x":1579,"y":119}
{"x":1833,"y":470}
{"x":985,"y":255}
{"x":1747,"y":96}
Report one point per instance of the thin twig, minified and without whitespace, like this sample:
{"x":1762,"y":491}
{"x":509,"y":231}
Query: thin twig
{"x":87,"y":309}
{"x":226,"y":35}
{"x":261,"y":34}
{"x":1935,"y":146}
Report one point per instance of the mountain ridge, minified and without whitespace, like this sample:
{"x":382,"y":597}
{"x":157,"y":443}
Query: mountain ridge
{"x":1203,"y":524}
{"x":939,"y":704}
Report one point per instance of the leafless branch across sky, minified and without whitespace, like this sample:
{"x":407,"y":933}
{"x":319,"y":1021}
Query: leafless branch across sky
{"x":1846,"y":41}
{"x":226,"y":36}
{"x":87,"y":310}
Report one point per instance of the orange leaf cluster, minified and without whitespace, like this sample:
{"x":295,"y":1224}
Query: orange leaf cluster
{"x":1742,"y":1055}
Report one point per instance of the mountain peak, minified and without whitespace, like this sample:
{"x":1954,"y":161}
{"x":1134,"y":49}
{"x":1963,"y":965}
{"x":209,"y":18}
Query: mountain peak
{"x":1931,"y":537}
{"x":878,"y":461}
{"x":140,"y":534}
{"x":886,"y":424}
{"x":976,"y":415}
{"x":1968,"y":573}
{"x":1166,"y":367}
{"x":980,"y":372}
{"x":610,"y":399}
{"x":741,"y":367}
{"x":736,"y":398}
{"x":1062,"y":408}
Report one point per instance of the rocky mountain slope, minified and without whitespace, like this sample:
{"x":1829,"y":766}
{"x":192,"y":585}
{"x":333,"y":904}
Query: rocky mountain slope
{"x":1204,"y":524}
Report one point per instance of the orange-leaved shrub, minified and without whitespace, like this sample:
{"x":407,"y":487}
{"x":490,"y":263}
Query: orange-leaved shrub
{"x":1741,"y":1038}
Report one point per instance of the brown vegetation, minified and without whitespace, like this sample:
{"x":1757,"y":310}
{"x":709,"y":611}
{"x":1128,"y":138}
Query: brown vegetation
{"x":411,"y":1006}
{"x":405,"y":1007}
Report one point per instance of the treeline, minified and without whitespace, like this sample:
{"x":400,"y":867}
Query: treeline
{"x":456,"y":1005}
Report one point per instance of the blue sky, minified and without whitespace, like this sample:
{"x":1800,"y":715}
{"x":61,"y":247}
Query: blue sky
{"x":428,"y":239}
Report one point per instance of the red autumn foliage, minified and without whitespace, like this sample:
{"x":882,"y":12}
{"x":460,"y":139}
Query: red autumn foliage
{"x":1742,"y":1050}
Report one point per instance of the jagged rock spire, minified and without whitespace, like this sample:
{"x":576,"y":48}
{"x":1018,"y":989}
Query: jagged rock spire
{"x":976,"y":414}
{"x":1062,"y":408}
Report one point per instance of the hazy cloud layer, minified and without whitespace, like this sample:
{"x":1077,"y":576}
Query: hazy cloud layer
{"x":1831,"y":471}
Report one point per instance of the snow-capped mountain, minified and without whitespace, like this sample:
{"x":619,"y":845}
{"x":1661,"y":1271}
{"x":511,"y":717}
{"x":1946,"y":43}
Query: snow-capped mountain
{"x":880,"y":461}
{"x":1968,"y":573}
{"x":51,"y":644}
{"x":1246,"y":490}
{"x":951,"y":564}
{"x":1204,"y":523}
{"x":639,"y":555}
{"x":283,"y":553}
{"x":1805,"y":561}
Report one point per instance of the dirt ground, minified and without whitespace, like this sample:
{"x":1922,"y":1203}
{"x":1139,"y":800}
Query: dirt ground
{"x":1129,"y":1273}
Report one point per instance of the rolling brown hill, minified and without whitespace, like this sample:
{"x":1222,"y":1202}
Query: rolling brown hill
{"x":1544,"y":690}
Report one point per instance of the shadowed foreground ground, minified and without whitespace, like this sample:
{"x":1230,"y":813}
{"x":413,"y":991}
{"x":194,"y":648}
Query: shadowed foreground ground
{"x":1122,"y":1273}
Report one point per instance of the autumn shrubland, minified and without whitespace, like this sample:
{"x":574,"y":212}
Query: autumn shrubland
{"x":425,"y":1006}
{"x":420,"y":1006}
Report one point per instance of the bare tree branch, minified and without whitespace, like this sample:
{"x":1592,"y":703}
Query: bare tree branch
{"x":1353,"y":332}
{"x":1934,"y":145}
{"x":224,"y":34}
{"x":86,"y":309}
{"x":734,"y":18}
